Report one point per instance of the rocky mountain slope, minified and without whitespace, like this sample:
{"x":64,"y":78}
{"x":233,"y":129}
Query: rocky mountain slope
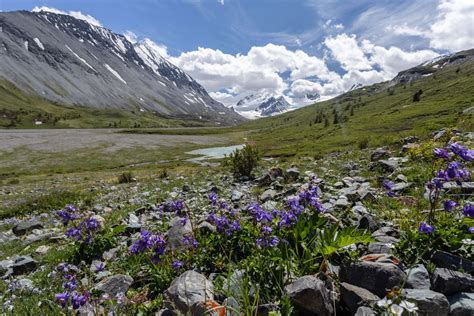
{"x":75,"y":63}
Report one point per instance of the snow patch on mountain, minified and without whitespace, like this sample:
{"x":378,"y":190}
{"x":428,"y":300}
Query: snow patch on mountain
{"x":115,"y":73}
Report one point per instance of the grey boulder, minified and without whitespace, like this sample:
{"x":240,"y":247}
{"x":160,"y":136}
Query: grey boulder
{"x":449,"y":282}
{"x":429,"y":303}
{"x":377,"y":277}
{"x":188,"y":289}
{"x":310,"y":294}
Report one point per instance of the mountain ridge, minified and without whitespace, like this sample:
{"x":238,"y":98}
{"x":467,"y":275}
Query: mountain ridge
{"x":72,"y":62}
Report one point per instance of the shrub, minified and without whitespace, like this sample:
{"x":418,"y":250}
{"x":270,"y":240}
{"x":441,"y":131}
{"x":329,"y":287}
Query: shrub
{"x":243,"y":161}
{"x":363,"y":143}
{"x":126,"y":177}
{"x":417,"y":96}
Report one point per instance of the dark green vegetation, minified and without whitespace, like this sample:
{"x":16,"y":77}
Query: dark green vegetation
{"x":243,"y":161}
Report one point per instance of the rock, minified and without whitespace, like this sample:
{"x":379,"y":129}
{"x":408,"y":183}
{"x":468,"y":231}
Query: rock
{"x":376,"y":277}
{"x":439,"y":134}
{"x":236,"y":196}
{"x":449,"y":282}
{"x":380,"y":247}
{"x":23,"y":265}
{"x":353,"y":296}
{"x":401,"y":178}
{"x":186,"y":188}
{"x":275,"y":173}
{"x":23,"y":227}
{"x":338,"y":185}
{"x":292,"y":174}
{"x":110,"y":254}
{"x":177,"y":232}
{"x":188,"y":289}
{"x":166,"y":312}
{"x":367,"y":222}
{"x":115,"y":284}
{"x":429,"y":303}
{"x":268,"y":195}
{"x":364,"y":311}
{"x":42,"y":250}
{"x":267,"y":309}
{"x":310,"y":294}
{"x":401,"y":186}
{"x":461,"y":304}
{"x":379,"y":154}
{"x":410,"y":140}
{"x":206,"y":227}
{"x":385,"y":165}
{"x":418,"y":278}
{"x":444,"y":259}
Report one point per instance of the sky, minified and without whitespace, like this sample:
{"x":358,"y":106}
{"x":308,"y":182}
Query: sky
{"x":291,"y":47}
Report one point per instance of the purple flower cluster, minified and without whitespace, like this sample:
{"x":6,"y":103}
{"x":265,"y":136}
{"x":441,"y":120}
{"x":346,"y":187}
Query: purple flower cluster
{"x":425,"y":228}
{"x":468,"y":210}
{"x":223,"y":216}
{"x":449,"y":205}
{"x":190,"y":241}
{"x":71,"y":295}
{"x":154,"y":243}
{"x":388,"y":186}
{"x":268,"y":241}
{"x":176,"y":265}
{"x":84,"y":231}
{"x":310,"y":198}
{"x":454,"y":170}
{"x":68,"y":214}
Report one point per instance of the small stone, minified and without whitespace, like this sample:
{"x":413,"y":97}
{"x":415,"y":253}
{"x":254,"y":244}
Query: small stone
{"x":353,"y":296}
{"x":23,"y":265}
{"x":292,"y":174}
{"x":42,"y":250}
{"x":380,"y":247}
{"x":177,"y":232}
{"x":236,"y":196}
{"x":23,"y":227}
{"x":429,"y":303}
{"x":268,"y":195}
{"x":115,"y":284}
{"x":418,"y":278}
{"x":379,"y":154}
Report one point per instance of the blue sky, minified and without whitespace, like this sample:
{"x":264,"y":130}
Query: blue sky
{"x":235,"y":47}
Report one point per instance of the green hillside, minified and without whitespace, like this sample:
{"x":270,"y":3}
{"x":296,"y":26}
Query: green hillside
{"x":21,"y":110}
{"x":376,"y":115}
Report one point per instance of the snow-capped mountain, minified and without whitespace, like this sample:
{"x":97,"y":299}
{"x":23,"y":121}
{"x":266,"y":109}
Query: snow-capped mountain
{"x":74,"y":62}
{"x":261,"y":105}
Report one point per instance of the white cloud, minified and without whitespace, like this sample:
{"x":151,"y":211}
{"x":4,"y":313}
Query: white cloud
{"x":77,"y":14}
{"x":345,"y":49}
{"x":261,"y":68}
{"x":454,"y":27}
{"x":221,"y":1}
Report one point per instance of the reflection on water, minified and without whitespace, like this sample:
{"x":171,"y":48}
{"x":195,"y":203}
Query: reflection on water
{"x":213,"y":153}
